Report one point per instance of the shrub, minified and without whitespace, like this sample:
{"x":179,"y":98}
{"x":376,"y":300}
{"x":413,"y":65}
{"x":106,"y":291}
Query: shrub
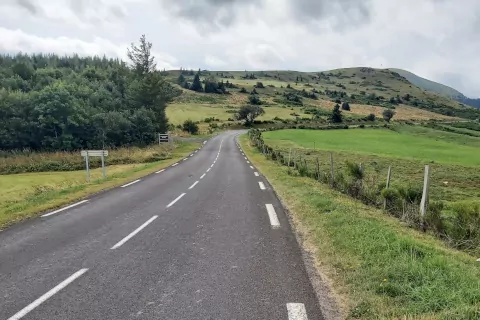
{"x":243,"y":90}
{"x":388,"y":114}
{"x":346,"y":106}
{"x":259,"y":85}
{"x":254,"y":100}
{"x":190,"y":127}
{"x":370,"y":117}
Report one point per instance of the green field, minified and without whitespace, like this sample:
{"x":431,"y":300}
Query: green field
{"x":379,"y":267}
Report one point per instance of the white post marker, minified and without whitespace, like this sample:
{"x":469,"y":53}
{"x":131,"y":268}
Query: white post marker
{"x":272,"y":215}
{"x":174,"y":201}
{"x":131,"y":235}
{"x":129,"y":184}
{"x":296,"y":311}
{"x":22,"y":313}
{"x":193,"y":185}
{"x":63,"y":209}
{"x":262,"y":186}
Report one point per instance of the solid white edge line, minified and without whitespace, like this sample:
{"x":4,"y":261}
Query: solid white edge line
{"x":160,"y":171}
{"x":209,"y":169}
{"x":262,"y":185}
{"x":131,"y":235}
{"x":175,"y":164}
{"x":185,"y":159}
{"x":203,"y":176}
{"x":174,"y":201}
{"x":272,"y":215}
{"x":296,"y":311}
{"x":251,"y":167}
{"x":256,"y":174}
{"x":48,"y":295}
{"x":129,"y":184}
{"x":193,"y":185}
{"x":63,"y":209}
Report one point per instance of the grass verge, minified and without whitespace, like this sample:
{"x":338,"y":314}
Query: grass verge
{"x":22,"y":196}
{"x":382,"y":269}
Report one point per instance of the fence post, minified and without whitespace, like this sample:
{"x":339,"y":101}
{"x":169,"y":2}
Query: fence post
{"x":87,"y":164}
{"x":389,"y":174}
{"x":103,"y":165}
{"x":333,"y":172}
{"x":318,"y":170}
{"x":289,"y":157}
{"x":424,"y":202}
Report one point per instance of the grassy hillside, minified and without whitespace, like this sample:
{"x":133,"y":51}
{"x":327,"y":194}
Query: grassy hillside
{"x":367,"y":91}
{"x":429,"y":85}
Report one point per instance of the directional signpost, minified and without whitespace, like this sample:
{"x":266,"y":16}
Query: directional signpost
{"x":163,"y":138}
{"x":94,"y":153}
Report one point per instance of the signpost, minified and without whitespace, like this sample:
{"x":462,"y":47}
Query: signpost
{"x":163,"y":138}
{"x":94,"y":153}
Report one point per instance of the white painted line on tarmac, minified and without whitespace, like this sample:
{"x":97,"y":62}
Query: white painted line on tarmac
{"x":131,"y":235}
{"x":196,"y":151}
{"x":66,"y":208}
{"x":296,"y":311}
{"x":272,"y":215}
{"x":245,"y":158}
{"x":129,"y":184}
{"x":203,"y":176}
{"x":209,"y":169}
{"x":192,"y":155}
{"x":248,"y":162}
{"x":251,"y":167}
{"x":174,"y":201}
{"x":256,"y":174}
{"x":193,"y":185}
{"x":262,"y":186}
{"x":22,"y":313}
{"x":160,"y":171}
{"x":175,"y":164}
{"x":185,"y":159}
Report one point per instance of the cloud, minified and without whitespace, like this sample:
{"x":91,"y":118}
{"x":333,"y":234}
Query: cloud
{"x":30,"y":6}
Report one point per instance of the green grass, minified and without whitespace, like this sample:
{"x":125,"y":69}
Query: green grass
{"x":382,"y":269}
{"x":380,"y":142}
{"x":24,"y":195}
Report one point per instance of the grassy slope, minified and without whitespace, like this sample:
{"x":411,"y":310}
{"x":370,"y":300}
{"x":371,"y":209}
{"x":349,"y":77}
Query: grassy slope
{"x":428,"y":84}
{"x":24,"y":195}
{"x":382,"y":269}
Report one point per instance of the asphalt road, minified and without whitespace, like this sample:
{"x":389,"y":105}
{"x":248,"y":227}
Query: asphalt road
{"x":203,"y":239}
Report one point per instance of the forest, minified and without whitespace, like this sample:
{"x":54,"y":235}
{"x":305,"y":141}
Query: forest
{"x":49,"y":102}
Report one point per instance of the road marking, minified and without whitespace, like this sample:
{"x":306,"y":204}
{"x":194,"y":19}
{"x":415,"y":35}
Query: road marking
{"x":203,"y":176}
{"x":251,"y":167}
{"x":248,"y":162}
{"x":262,"y":186}
{"x":214,"y":162}
{"x":211,"y":166}
{"x":62,"y":209}
{"x":256,"y":174}
{"x":185,"y":159}
{"x":22,"y":313}
{"x":129,"y":184}
{"x":273,"y":216}
{"x":245,"y":158}
{"x":173,"y":202}
{"x":193,"y":185}
{"x":243,"y":154}
{"x":175,"y":164}
{"x":209,"y":169}
{"x":160,"y":171}
{"x":204,"y":142}
{"x":191,"y":155}
{"x":296,"y":311}
{"x":196,"y":151}
{"x":131,"y":235}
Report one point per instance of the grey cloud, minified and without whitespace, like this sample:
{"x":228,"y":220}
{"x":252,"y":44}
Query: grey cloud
{"x":86,"y":9}
{"x":340,"y":13}
{"x":29,"y":6}
{"x":209,"y":13}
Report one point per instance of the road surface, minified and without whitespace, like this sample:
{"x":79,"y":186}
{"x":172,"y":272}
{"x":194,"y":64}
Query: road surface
{"x":203,"y":239}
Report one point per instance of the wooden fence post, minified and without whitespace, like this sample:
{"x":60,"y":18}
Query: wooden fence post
{"x":424,"y":202}
{"x":289,"y":157}
{"x":333,"y":172}
{"x":318,"y":170}
{"x":389,"y":174}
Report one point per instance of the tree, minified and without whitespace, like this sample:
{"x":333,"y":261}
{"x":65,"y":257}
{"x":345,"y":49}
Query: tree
{"x":254,"y":99}
{"x":243,"y":90}
{"x":336,"y":116}
{"x":190,"y":127}
{"x":370,"y":117}
{"x":248,"y":113}
{"x":388,"y":114}
{"x":197,"y":84}
{"x":141,"y":57}
{"x":181,"y":79}
{"x":259,"y":85}
{"x":346,"y":106}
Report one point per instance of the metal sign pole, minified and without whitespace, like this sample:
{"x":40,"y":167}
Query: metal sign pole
{"x":88,"y":167}
{"x":103,"y":165}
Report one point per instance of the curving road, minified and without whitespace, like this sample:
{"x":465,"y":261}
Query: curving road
{"x":203,"y":239}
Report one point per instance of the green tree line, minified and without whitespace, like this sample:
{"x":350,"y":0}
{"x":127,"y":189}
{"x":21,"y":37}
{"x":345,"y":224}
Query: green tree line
{"x":49,"y":102}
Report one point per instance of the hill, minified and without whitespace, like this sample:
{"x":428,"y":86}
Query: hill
{"x":367,"y":90}
{"x":429,"y":85}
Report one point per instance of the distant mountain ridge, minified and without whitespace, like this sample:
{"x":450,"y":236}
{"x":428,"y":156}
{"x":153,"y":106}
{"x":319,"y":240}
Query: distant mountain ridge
{"x":436,"y":87}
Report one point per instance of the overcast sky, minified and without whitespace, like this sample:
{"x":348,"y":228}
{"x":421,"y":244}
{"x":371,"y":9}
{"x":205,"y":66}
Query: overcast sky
{"x":436,"y":39}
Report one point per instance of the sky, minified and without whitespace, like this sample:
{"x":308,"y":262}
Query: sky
{"x":435,"y":39}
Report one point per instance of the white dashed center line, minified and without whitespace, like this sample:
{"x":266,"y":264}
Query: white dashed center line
{"x":272,"y":215}
{"x":262,"y":186}
{"x":174,"y":201}
{"x":22,"y":313}
{"x":131,"y":235}
{"x":203,"y":176}
{"x":208,"y":170}
{"x":193,"y":185}
{"x":296,"y":311}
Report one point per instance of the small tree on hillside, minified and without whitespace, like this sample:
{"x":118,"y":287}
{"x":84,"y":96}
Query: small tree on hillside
{"x":370,"y":117}
{"x":388,"y":114}
{"x":336,"y":116}
{"x":197,"y":84}
{"x":190,"y":127}
{"x":243,"y":90}
{"x":181,"y":79}
{"x":254,"y":99}
{"x":259,"y":85}
{"x":249,"y":113}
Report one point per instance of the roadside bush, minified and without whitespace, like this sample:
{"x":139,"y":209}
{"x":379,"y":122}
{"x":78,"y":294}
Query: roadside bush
{"x":463,"y":230}
{"x":190,"y":127}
